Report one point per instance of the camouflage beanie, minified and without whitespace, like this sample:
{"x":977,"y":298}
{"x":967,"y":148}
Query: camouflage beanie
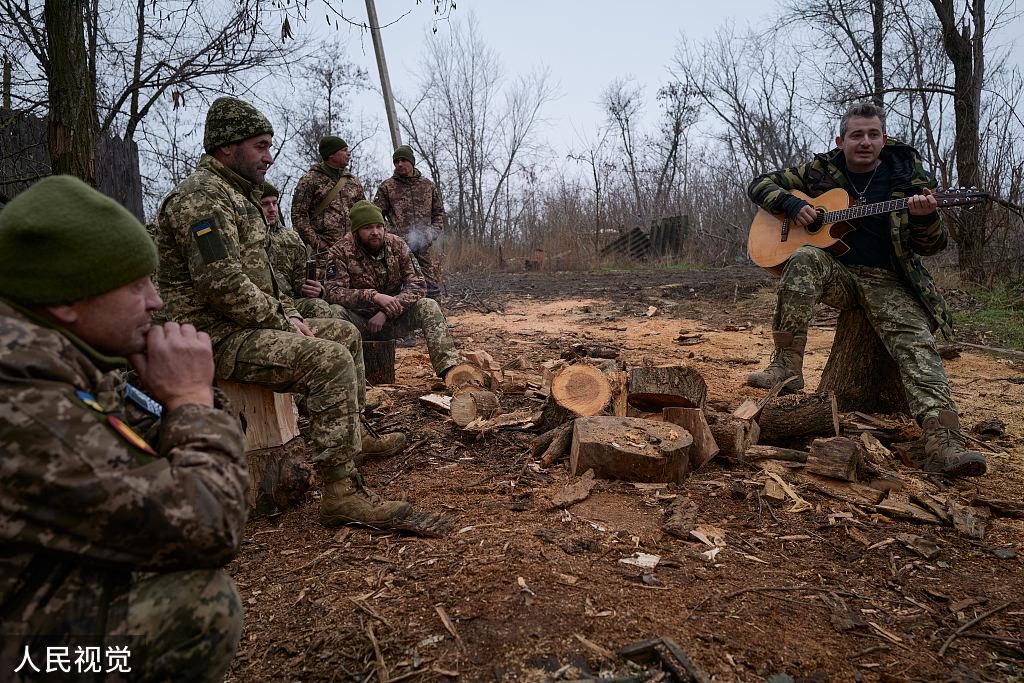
{"x":404,"y":152}
{"x":269,"y":191}
{"x":230,"y":120}
{"x":329,"y":144}
{"x":364,"y":213}
{"x":62,"y":241}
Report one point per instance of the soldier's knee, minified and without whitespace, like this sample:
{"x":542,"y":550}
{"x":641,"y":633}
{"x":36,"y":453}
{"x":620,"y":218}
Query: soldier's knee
{"x":336,"y":330}
{"x":426,"y":308}
{"x":807,"y":255}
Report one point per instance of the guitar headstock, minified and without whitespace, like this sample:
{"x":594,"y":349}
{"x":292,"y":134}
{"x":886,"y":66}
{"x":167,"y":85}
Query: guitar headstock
{"x":961,"y":196}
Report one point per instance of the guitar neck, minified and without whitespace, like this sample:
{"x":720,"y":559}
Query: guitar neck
{"x":862,"y":210}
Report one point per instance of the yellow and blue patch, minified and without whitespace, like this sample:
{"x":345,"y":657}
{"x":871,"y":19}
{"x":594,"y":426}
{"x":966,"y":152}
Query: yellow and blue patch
{"x":209,"y":240}
{"x":89,"y":400}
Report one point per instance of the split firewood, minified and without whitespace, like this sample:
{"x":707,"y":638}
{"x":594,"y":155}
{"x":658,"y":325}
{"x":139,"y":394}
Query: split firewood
{"x":838,"y":458}
{"x":559,"y":445}
{"x":473,"y":405}
{"x":759,"y":452}
{"x":1001,"y":507}
{"x":466,"y":377}
{"x":438,"y":402}
{"x":631,"y":449}
{"x":693,"y":421}
{"x":784,"y":418}
{"x":576,"y":391}
{"x":732,"y":434}
{"x":653,"y":388}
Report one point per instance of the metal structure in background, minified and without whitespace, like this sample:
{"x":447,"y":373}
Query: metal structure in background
{"x":664,"y":237}
{"x":385,"y":80}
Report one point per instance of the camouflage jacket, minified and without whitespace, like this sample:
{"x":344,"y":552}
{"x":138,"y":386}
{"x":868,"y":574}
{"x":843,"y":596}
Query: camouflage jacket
{"x":413,"y":208}
{"x":912,"y":236}
{"x":214,"y":269}
{"x":85,"y":500}
{"x":288,"y":255}
{"x":323,"y":231}
{"x":358,"y":276}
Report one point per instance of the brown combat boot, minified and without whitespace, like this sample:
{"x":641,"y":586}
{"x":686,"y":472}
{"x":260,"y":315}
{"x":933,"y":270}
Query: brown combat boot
{"x":379,"y":446}
{"x":787,"y":360}
{"x":945,"y":450}
{"x":347,"y":501}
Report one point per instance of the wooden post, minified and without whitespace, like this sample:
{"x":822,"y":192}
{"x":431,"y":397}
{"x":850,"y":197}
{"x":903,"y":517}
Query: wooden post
{"x":382,"y":67}
{"x":379,"y":361}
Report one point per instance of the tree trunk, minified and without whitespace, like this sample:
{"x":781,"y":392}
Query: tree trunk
{"x":71,"y":125}
{"x":860,"y":370}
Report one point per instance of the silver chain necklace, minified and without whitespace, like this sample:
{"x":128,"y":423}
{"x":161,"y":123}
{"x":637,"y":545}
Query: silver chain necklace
{"x":861,"y":198}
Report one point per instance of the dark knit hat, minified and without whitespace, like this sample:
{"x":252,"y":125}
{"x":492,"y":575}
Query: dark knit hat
{"x":62,"y":241}
{"x":404,"y":152}
{"x":230,"y":120}
{"x":329,"y":144}
{"x":364,"y":213}
{"x":269,"y":191}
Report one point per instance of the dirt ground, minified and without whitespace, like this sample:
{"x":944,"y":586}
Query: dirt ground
{"x":524,"y":591}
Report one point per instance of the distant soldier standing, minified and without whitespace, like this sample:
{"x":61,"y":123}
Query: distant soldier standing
{"x":412,"y":205}
{"x":324,"y":195}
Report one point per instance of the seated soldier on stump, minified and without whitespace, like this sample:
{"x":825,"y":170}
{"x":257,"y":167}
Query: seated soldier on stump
{"x":215,"y":273}
{"x":382,"y":291}
{"x":881,"y":273}
{"x":117,"y":510}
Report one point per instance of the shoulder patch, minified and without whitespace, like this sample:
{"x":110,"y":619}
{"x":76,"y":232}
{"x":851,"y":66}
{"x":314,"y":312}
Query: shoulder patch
{"x":209,"y":240}
{"x":129,"y":435}
{"x":89,"y":400}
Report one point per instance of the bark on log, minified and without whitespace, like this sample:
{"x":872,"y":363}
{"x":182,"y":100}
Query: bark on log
{"x":838,"y":458}
{"x":576,"y":391}
{"x":693,"y":421}
{"x":278,"y":480}
{"x":473,"y":405}
{"x":652,"y":389}
{"x":379,"y":361}
{"x":860,"y":370}
{"x":631,"y":449}
{"x":758,"y":452}
{"x":732,"y":434}
{"x":789,"y":417}
{"x":559,"y":445}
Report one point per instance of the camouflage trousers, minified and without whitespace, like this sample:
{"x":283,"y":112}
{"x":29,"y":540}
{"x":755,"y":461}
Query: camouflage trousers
{"x":324,"y":371}
{"x":898,"y":318}
{"x":184,"y":626}
{"x":424,"y":315}
{"x":432,"y":266}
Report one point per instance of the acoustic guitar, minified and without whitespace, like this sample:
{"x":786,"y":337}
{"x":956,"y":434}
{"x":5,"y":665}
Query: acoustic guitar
{"x":774,"y":237}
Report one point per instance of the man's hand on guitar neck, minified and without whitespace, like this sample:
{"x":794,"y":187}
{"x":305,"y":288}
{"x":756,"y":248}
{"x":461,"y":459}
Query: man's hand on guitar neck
{"x":922,"y":204}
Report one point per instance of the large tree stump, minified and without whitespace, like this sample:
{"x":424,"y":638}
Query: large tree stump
{"x":860,"y":370}
{"x":784,"y":418}
{"x":630,"y":448}
{"x":576,"y":391}
{"x":651,"y":389}
{"x":379,"y":361}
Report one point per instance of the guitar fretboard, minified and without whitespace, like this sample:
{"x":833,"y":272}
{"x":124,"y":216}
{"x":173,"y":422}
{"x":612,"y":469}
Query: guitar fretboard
{"x":862,"y":210}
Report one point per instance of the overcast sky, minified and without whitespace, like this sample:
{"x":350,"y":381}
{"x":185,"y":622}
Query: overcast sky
{"x":585,"y":44}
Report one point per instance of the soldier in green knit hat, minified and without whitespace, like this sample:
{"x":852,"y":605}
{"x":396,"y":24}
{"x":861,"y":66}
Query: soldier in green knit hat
{"x":324,"y":195}
{"x":118,"y":505}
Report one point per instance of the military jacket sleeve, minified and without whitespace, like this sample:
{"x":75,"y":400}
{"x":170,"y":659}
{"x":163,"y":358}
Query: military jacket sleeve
{"x":926,"y":235}
{"x":340,"y":290}
{"x":204,"y":226}
{"x":87,"y":487}
{"x":303,"y":202}
{"x":383,"y":201}
{"x":414,"y":285}
{"x":770,"y":190}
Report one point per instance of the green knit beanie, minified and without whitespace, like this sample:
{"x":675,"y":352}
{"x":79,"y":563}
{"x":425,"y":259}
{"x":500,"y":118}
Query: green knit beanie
{"x":364,"y":213}
{"x":230,"y":120}
{"x":329,"y":144}
{"x":404,"y":152}
{"x":62,"y":241}
{"x":269,"y":191}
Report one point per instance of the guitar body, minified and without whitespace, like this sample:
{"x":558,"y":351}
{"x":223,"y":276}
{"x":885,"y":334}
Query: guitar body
{"x":768,"y":247}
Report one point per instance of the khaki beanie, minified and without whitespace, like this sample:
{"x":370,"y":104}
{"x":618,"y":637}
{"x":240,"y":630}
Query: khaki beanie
{"x":404,"y":152}
{"x":230,"y":120}
{"x":62,"y":241}
{"x":364,"y":213}
{"x":269,"y":191}
{"x":329,"y":144}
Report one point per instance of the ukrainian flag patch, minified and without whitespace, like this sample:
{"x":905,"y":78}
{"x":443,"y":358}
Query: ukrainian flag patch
{"x":209,"y":240}
{"x":89,"y":400}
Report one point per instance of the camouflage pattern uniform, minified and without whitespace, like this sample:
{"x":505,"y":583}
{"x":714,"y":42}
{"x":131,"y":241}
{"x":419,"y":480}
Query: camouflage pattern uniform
{"x":323,"y":231}
{"x":413,"y":208}
{"x":903,"y":305}
{"x":215,"y":274}
{"x":360,"y":276}
{"x":114,"y":524}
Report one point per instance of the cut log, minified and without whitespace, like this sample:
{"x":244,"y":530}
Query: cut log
{"x":652,"y":388}
{"x":576,"y":391}
{"x":759,"y":452}
{"x":379,"y":361}
{"x":268,"y":419}
{"x":559,"y":445}
{"x":860,"y":370}
{"x":785,"y":418}
{"x":466,"y":377}
{"x":693,"y":421}
{"x":732,"y":434}
{"x":838,"y":458}
{"x":438,"y":402}
{"x":473,"y":405}
{"x":278,"y":480}
{"x":630,"y":448}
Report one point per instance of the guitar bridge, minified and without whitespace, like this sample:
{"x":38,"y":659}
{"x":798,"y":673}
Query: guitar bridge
{"x":785,"y":230}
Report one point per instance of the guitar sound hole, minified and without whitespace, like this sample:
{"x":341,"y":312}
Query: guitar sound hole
{"x":817,"y":224}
